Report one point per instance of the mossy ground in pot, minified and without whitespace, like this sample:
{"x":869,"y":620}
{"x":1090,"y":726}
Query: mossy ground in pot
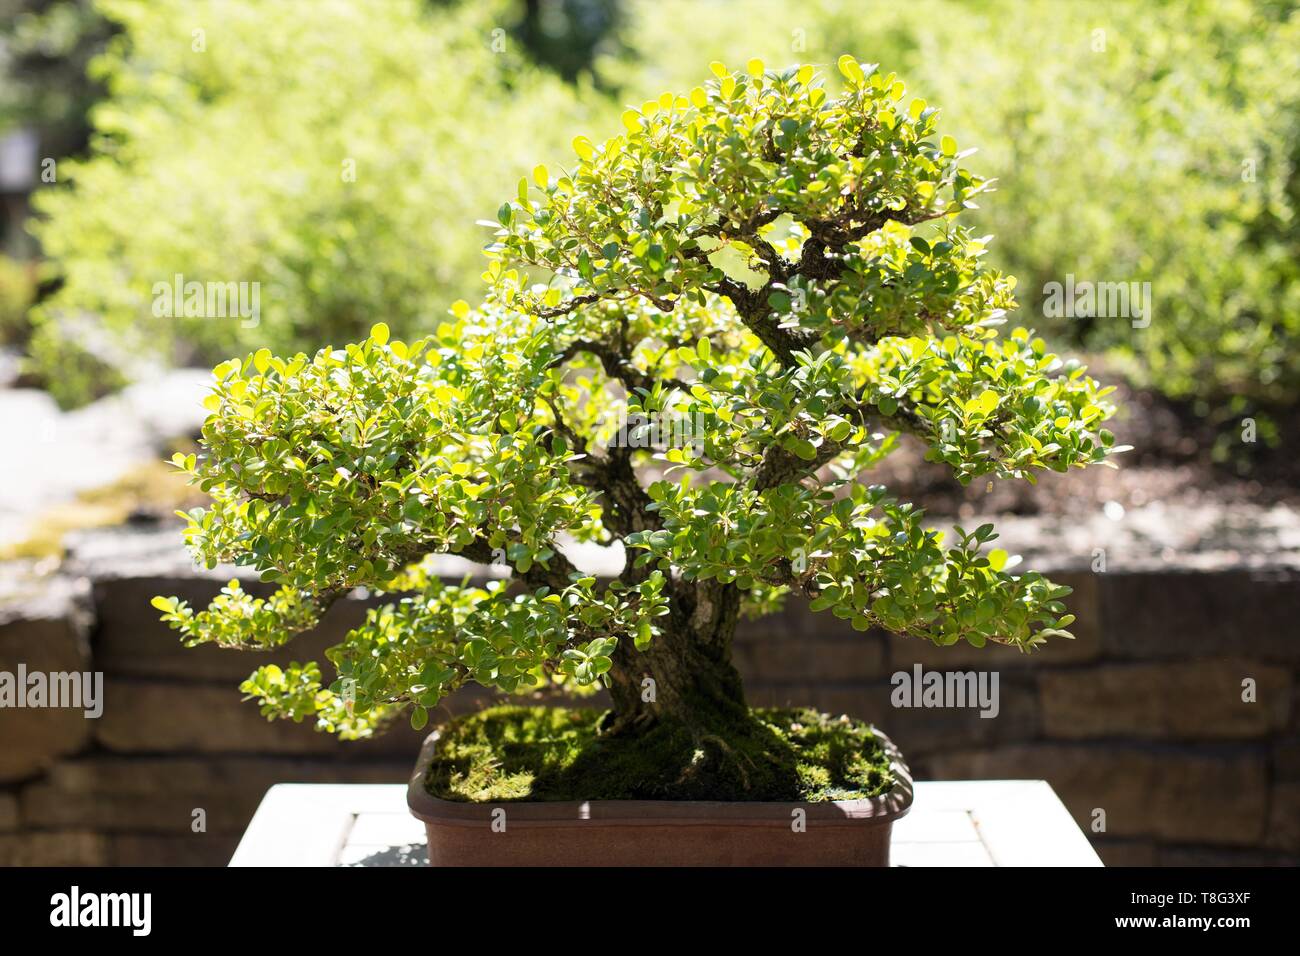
{"x":553,"y":753}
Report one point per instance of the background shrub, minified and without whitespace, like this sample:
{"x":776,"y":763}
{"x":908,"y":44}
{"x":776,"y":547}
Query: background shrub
{"x":1121,"y":155}
{"x":1152,"y":141}
{"x":233,"y":164}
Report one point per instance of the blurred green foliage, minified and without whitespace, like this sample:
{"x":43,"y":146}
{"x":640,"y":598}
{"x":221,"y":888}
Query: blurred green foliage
{"x":565,"y":35}
{"x":1154,"y":141}
{"x":338,"y":159}
{"x":45,"y":46}
{"x":17,"y":290}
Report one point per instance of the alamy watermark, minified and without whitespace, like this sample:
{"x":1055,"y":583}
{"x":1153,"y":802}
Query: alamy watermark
{"x":75,"y":909}
{"x":947,"y":689}
{"x":208,"y":300}
{"x":1098,"y":300}
{"x":58,"y":689}
{"x":660,"y":430}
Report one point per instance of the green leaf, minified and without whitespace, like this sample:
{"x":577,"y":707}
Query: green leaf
{"x":983,"y":403}
{"x":801,"y":447}
{"x":851,"y":69}
{"x":840,"y":431}
{"x":419,"y":717}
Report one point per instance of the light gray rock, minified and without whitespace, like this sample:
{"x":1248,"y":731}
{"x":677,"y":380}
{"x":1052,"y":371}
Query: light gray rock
{"x":51,"y":455}
{"x":1154,"y":537}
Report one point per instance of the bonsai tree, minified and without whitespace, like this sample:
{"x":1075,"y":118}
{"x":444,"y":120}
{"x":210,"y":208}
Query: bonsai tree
{"x":778,"y":268}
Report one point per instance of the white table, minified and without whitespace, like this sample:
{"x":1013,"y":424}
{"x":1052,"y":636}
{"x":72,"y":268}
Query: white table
{"x":958,"y":823}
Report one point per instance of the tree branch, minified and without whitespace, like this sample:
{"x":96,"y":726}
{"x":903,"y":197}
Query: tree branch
{"x":779,"y":466}
{"x":616,"y":365}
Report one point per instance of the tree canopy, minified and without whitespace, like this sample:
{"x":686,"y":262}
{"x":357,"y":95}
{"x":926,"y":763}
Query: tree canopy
{"x":776,"y":266}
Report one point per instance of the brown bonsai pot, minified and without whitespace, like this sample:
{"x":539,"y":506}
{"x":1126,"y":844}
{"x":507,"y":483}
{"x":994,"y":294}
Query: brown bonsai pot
{"x":659,"y":832}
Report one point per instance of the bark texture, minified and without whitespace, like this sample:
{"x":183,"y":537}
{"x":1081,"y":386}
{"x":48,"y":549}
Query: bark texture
{"x":686,"y":674}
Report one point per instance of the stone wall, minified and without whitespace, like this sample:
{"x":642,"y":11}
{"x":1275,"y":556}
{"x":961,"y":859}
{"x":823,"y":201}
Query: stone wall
{"x":1140,"y":717}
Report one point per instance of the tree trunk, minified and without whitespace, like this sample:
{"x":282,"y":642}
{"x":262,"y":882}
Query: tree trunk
{"x":686,"y":673}
{"x":680,"y":728}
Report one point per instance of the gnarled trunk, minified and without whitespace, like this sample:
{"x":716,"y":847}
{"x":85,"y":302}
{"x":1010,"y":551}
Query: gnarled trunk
{"x":680,"y":725}
{"x":686,"y":674}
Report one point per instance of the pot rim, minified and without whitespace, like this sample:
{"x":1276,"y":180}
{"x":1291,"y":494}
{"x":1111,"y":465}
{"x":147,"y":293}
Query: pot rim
{"x":879,"y":810}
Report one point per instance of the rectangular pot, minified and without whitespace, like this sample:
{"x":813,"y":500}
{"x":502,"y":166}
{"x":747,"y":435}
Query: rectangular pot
{"x":659,"y":832}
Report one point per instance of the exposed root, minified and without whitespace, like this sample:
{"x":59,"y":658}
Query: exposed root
{"x":729,"y":754}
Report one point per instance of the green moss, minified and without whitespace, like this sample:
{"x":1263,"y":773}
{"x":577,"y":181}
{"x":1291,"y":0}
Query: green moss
{"x":551,"y":753}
